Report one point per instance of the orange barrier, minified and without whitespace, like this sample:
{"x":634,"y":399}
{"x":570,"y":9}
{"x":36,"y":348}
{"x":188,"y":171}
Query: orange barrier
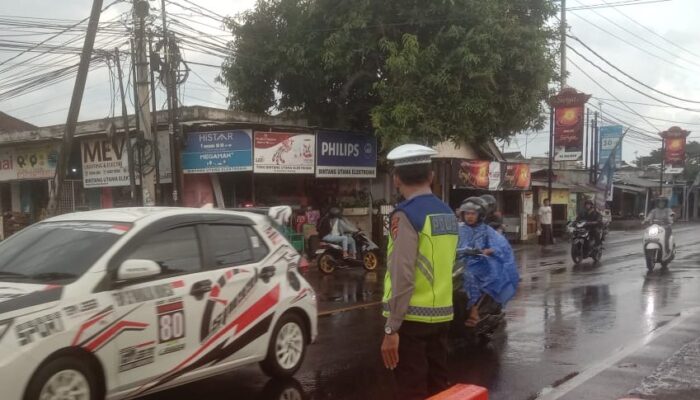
{"x":463,"y":392}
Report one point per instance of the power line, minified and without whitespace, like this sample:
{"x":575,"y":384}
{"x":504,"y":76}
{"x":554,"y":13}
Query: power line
{"x":643,"y":39}
{"x":628,"y":85}
{"x":617,"y":4}
{"x":654,"y":118}
{"x":634,"y":45}
{"x":628,"y":75}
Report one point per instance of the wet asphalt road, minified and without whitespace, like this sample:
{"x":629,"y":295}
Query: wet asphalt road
{"x":573,"y":332}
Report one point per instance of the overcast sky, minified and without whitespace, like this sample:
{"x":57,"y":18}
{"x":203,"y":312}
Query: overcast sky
{"x":662,"y":64}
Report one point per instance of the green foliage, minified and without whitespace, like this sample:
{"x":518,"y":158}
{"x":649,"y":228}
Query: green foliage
{"x":407,"y":69}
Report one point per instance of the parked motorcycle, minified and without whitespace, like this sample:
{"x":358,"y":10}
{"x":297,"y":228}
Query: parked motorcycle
{"x":583,"y":245}
{"x":655,"y":251}
{"x":491,"y":315}
{"x":329,"y":256}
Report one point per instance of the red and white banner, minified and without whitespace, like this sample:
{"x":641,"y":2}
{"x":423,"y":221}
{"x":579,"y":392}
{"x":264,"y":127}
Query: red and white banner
{"x":284,"y":153}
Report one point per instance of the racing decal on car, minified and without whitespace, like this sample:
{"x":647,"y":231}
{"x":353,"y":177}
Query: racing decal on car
{"x":274,"y":235}
{"x":9,"y":293}
{"x":32,"y":299}
{"x":136,"y":356}
{"x":147,"y":293}
{"x":302,"y":294}
{"x":110,"y":332}
{"x":5,"y":326}
{"x":81,"y":308}
{"x":39,"y":328}
{"x":210,"y":354}
{"x":171,"y":320}
{"x":210,"y":323}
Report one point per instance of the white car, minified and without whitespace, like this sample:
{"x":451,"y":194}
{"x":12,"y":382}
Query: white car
{"x":123,"y":302}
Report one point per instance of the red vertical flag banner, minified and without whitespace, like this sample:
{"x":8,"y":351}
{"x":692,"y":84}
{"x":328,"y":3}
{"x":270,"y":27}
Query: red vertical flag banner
{"x":568,"y":124}
{"x":674,"y":145}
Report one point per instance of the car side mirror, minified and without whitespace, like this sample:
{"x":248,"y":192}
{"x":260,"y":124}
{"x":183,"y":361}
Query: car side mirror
{"x":136,"y":269}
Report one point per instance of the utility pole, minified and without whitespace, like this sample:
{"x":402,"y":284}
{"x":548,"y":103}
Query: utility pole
{"x":74,"y":109}
{"x":562,"y":28}
{"x":154,"y":122}
{"x":125,"y":123}
{"x":142,"y":105}
{"x":551,"y":153}
{"x":173,"y":128}
{"x":663,"y":167}
{"x":596,"y":153}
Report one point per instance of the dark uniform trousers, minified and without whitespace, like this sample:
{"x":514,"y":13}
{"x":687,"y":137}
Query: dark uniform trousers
{"x":422,"y":370}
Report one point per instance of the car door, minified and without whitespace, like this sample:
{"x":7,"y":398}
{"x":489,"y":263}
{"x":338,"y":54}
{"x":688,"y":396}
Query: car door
{"x":157,"y":317}
{"x":239,"y":310}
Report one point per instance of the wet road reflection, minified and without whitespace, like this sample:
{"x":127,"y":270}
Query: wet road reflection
{"x":563,"y":319}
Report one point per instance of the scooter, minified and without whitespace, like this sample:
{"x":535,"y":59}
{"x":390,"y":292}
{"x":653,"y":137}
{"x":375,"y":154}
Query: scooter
{"x":583,"y":245}
{"x":491,"y":315}
{"x":329,"y":256}
{"x":654,"y":244}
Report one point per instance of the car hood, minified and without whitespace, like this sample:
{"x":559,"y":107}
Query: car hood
{"x":15,"y":296}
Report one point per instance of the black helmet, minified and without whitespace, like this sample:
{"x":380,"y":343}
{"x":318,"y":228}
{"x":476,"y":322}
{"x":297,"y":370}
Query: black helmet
{"x":663,"y":199}
{"x":335,"y":212}
{"x":476,"y":204}
{"x":490,"y":202}
{"x":587,"y":202}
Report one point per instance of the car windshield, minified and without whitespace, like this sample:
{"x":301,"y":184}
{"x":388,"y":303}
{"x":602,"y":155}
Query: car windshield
{"x":56,"y":251}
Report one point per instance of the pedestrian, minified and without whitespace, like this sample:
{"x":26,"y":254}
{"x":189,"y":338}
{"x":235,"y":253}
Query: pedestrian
{"x":544,"y":224}
{"x":417,"y":301}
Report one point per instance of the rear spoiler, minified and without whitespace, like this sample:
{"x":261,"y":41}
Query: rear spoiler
{"x":280,"y":214}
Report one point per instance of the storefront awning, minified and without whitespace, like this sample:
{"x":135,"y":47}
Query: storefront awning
{"x":628,"y":188}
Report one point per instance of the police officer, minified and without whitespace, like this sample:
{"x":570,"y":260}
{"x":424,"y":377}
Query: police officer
{"x":418,"y":285}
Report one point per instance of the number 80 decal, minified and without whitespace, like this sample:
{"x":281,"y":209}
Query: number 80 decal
{"x":171,"y":322}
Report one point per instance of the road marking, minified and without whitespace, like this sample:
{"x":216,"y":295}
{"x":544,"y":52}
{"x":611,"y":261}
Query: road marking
{"x":566,"y":387}
{"x":349,"y":308}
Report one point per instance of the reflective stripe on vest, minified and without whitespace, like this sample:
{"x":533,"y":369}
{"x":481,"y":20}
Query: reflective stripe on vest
{"x":432,"y":312}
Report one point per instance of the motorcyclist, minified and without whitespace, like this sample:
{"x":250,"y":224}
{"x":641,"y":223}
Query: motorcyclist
{"x":493,"y":218}
{"x":662,"y":215}
{"x":593,"y":220}
{"x":334,"y":228}
{"x":493,"y":278}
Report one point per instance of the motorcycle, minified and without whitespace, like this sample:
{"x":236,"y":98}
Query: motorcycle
{"x":583,"y":245}
{"x":491,"y":315}
{"x":654,"y":244}
{"x":329,"y":256}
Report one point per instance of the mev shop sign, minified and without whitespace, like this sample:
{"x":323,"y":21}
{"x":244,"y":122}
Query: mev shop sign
{"x":345,"y":155}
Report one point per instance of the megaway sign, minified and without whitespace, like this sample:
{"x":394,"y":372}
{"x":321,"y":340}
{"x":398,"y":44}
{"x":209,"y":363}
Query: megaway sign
{"x":345,"y":155}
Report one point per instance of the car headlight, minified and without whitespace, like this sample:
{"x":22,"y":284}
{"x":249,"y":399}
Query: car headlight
{"x":653,"y":231}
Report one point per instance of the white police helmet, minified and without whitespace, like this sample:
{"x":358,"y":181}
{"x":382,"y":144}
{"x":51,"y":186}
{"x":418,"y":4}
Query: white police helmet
{"x":411,"y":154}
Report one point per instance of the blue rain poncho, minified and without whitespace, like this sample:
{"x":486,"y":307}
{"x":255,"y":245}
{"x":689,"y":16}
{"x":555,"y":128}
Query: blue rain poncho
{"x":497,"y":274}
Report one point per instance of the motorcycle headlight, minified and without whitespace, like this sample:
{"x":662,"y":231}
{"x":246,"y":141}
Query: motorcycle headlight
{"x":653,"y":231}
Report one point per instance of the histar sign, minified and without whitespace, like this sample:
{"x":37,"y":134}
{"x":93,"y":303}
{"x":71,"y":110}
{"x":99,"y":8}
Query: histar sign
{"x":345,"y":155}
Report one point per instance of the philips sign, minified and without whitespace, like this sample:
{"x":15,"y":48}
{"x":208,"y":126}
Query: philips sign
{"x":346,"y":155}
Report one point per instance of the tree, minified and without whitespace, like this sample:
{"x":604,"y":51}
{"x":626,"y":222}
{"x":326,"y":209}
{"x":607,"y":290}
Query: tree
{"x":692,"y":164}
{"x":406,"y":69}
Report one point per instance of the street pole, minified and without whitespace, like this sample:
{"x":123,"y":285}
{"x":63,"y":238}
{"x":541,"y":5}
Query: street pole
{"x":562,"y":28}
{"x":154,"y":124}
{"x":587,"y":139}
{"x":596,"y":165}
{"x":74,"y":108}
{"x":148,"y":182}
{"x":173,"y":129}
{"x":125,"y":123}
{"x":137,"y":120}
{"x":663,"y":167}
{"x":551,"y":153}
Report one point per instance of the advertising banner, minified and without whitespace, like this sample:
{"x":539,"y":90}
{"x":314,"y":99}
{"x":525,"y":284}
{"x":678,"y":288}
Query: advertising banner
{"x":220,"y":151}
{"x":476,"y":174}
{"x":28,"y":162}
{"x":568,"y":133}
{"x":284,"y":153}
{"x":345,"y":155}
{"x":674,"y":149}
{"x":609,"y":138}
{"x":516,"y":177}
{"x":107,"y":165}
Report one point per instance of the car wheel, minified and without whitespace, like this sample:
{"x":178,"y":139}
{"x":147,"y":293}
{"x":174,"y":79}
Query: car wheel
{"x":287,"y":347}
{"x":371,"y":260}
{"x":326,"y":263}
{"x":67,"y":378}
